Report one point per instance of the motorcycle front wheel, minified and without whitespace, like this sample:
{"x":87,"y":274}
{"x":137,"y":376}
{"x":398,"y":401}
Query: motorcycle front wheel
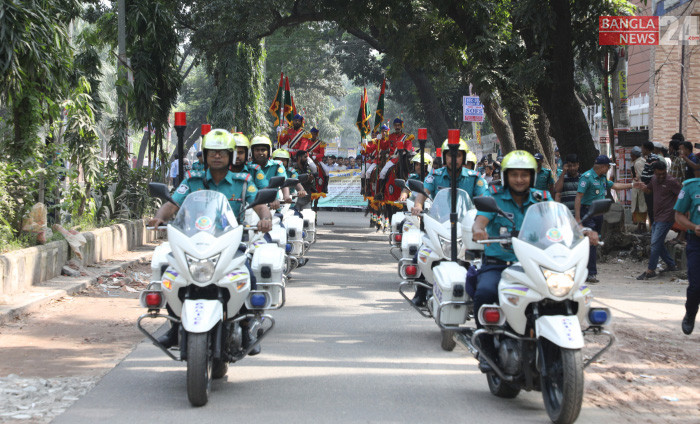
{"x":562,"y":386}
{"x":199,"y":368}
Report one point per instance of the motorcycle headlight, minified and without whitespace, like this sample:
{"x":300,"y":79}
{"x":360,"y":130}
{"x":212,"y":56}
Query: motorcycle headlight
{"x":559,"y":283}
{"x":446,"y":245}
{"x":202,"y":270}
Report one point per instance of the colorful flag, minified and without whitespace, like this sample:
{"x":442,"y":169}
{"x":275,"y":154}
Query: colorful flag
{"x":379,"y":114}
{"x":287,"y":102}
{"x":359,"y":122}
{"x":294,"y":107}
{"x":367,"y":115}
{"x":277,"y":102}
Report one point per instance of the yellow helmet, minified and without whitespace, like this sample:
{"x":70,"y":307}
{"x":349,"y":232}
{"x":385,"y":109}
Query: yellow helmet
{"x":241,"y":140}
{"x":471,"y":157}
{"x":427,"y":158}
{"x":218,"y":139}
{"x":463,"y":147}
{"x":280,"y":154}
{"x":518,"y":159}
{"x":261,"y":140}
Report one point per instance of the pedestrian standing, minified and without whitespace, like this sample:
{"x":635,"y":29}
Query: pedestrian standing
{"x":665,"y":190}
{"x":174,"y":172}
{"x":567,"y":184}
{"x":689,"y":202}
{"x":691,"y":161}
{"x":646,"y":174}
{"x":543,"y":178}
{"x":638,"y":203}
{"x":593,"y":185}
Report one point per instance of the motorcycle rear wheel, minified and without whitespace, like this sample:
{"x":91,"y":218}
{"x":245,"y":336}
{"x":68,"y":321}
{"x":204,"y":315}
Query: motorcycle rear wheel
{"x":500,"y":388}
{"x":448,"y":342}
{"x":562,"y":388}
{"x":199,"y":368}
{"x":219,"y":369}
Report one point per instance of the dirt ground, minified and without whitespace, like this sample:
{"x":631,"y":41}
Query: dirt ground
{"x":650,"y":375}
{"x":82,"y":335}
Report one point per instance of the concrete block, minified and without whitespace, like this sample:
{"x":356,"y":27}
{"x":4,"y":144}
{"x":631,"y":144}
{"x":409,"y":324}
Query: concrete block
{"x":21,"y":269}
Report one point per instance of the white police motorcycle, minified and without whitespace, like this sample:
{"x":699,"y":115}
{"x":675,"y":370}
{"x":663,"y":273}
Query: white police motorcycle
{"x":543,"y":300}
{"x":446,"y":278}
{"x":201,"y":274}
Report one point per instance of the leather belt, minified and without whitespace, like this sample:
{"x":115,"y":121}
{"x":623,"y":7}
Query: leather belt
{"x":495,"y":261}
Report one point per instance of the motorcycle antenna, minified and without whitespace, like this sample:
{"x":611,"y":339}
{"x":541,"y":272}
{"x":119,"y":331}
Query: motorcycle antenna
{"x":453,"y":144}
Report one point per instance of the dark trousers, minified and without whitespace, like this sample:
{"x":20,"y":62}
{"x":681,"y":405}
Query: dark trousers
{"x":692,"y":252}
{"x":649,"y":199}
{"x":487,"y":287}
{"x":595,"y":223}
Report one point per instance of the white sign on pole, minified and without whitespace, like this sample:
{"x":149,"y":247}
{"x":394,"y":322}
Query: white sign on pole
{"x":472,"y":109}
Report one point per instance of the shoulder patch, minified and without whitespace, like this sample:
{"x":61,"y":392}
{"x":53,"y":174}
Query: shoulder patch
{"x":480,"y":182}
{"x":681,"y":194}
{"x":251,"y":188}
{"x":260,"y":176}
{"x":429,"y":179}
{"x":280,"y":170}
{"x":182,"y":189}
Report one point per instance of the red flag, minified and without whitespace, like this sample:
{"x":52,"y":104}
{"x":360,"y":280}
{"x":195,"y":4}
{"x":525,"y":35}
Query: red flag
{"x":294,"y":107}
{"x":287,"y":102}
{"x":276,"y":105}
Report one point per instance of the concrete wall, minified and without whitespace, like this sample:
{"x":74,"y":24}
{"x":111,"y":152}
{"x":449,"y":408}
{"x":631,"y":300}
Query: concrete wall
{"x":21,"y":269}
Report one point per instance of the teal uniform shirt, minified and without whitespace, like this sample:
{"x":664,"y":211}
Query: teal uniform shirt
{"x":198,"y":166}
{"x":593,"y":186}
{"x":292,"y":173}
{"x":413,"y":176}
{"x":689,"y":200}
{"x":272,"y":169}
{"x":231,"y":186}
{"x":543,"y":179}
{"x":496,"y":222}
{"x":258,"y":175}
{"x":468,"y":181}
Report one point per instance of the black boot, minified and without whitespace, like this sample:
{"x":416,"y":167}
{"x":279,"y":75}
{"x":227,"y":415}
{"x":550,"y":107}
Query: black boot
{"x":688,"y":323}
{"x":487,"y":347}
{"x":420,"y":297}
{"x":169,"y":339}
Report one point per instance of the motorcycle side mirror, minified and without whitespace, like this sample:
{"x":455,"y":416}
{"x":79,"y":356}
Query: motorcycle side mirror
{"x":265,"y":195}
{"x":400,"y":183}
{"x":598,"y":207}
{"x":160,"y":191}
{"x":276,"y":182}
{"x":303,"y":178}
{"x":488,"y":204}
{"x":290,"y":182}
{"x":417,"y":186}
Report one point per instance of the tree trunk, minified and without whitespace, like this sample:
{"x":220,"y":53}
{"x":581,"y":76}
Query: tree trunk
{"x":556,"y":92}
{"x":499,"y":122}
{"x":142,"y":149}
{"x":435,"y":117}
{"x":543,"y":127}
{"x":523,"y":123}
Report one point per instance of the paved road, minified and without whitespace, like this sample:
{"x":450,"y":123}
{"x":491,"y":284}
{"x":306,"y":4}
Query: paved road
{"x":346,"y":349}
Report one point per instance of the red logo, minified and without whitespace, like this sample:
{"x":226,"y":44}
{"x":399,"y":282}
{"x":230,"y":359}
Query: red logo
{"x":628,"y":30}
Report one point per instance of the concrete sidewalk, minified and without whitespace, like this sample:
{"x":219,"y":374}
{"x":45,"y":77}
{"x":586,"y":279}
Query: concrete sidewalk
{"x":12,"y":306}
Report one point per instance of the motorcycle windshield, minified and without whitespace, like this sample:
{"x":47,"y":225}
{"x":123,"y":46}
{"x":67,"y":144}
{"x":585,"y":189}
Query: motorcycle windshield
{"x":549,"y":223}
{"x":440,"y":209}
{"x":205,"y":211}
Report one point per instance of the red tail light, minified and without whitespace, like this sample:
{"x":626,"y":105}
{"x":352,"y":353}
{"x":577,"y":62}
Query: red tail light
{"x":153,"y":299}
{"x":411,"y":270}
{"x":397,"y":238}
{"x":491,"y":316}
